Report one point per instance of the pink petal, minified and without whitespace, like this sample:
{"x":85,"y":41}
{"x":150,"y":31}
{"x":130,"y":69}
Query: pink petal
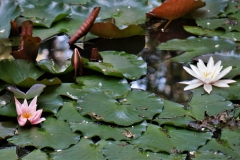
{"x":36,"y":116}
{"x":38,"y":121}
{"x":33,"y":104}
{"x":207,"y":88}
{"x":22,"y":121}
{"x":18,"y":106}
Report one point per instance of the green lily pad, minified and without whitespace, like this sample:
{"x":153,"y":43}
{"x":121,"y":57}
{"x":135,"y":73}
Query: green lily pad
{"x":5,"y":48}
{"x":211,"y":10}
{"x":222,"y":146}
{"x":111,"y":86}
{"x":85,"y":149}
{"x":9,"y":110}
{"x":5,"y":99}
{"x":8,"y":153}
{"x":202,"y":31}
{"x":135,"y":107}
{"x":44,"y":15}
{"x":171,"y":139}
{"x":28,"y":82}
{"x":224,"y":23}
{"x":119,"y":64}
{"x":7,"y":129}
{"x":104,"y":131}
{"x":49,"y":102}
{"x":36,"y":155}
{"x":50,"y":66}
{"x":69,"y":112}
{"x":180,"y":121}
{"x":16,"y":71}
{"x":211,"y":104}
{"x":35,"y":90}
{"x":68,"y":25}
{"x":9,"y":11}
{"x":54,"y":133}
{"x":197,"y":46}
{"x":154,"y":134}
{"x":209,"y":155}
{"x":231,"y":8}
{"x":124,"y":12}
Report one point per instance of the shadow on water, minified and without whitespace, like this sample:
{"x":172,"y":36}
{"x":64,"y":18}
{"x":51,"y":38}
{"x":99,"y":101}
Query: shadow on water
{"x":162,"y":75}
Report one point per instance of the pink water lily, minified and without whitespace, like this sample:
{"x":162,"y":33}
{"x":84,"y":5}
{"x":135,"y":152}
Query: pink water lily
{"x":207,"y":75}
{"x":28,"y":113}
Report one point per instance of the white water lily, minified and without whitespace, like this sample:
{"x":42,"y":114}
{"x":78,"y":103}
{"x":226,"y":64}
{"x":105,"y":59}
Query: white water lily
{"x":207,"y":75}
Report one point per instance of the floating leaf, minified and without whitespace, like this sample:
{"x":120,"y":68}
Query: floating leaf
{"x":85,"y":149}
{"x":203,"y":32}
{"x":173,"y":9}
{"x":28,"y":82}
{"x":16,"y":71}
{"x":35,"y":90}
{"x":211,"y":10}
{"x":111,"y":86}
{"x":7,"y":129}
{"x":69,"y":112}
{"x":49,"y":102}
{"x":196,"y":47}
{"x":9,"y":11}
{"x":54,"y":133}
{"x":44,"y":15}
{"x":209,"y":155}
{"x":36,"y":155}
{"x":119,"y":64}
{"x":9,"y":110}
{"x":50,"y":66}
{"x":8,"y":153}
{"x":135,"y":107}
{"x":209,"y":104}
{"x":106,"y":132}
{"x":109,"y":30}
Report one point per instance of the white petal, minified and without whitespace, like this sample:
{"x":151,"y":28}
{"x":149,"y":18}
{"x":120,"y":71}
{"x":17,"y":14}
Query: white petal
{"x":193,"y":85}
{"x":191,"y":72}
{"x":207,"y":88}
{"x":197,"y":72}
{"x":189,"y":82}
{"x":223,"y":73}
{"x":201,"y":66}
{"x":223,"y":83}
{"x":210,"y":64}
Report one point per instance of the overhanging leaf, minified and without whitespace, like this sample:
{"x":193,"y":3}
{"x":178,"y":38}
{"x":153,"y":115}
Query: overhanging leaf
{"x":197,"y":46}
{"x":109,"y":30}
{"x":35,"y":90}
{"x":119,"y":64}
{"x":54,"y":133}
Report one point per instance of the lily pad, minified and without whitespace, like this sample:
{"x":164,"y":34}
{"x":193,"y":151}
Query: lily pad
{"x":36,"y":155}
{"x":28,"y":82}
{"x":35,"y":90}
{"x":106,"y":132}
{"x":85,"y":149}
{"x":210,"y":104}
{"x":9,"y":11}
{"x":197,"y":46}
{"x":69,"y":112}
{"x":209,"y":155}
{"x":211,"y":10}
{"x":111,"y":86}
{"x":16,"y":71}
{"x":5,"y":48}
{"x":9,"y":110}
{"x":109,"y":30}
{"x":8,"y":153}
{"x":54,"y":133}
{"x":45,"y":15}
{"x":119,"y":64}
{"x":49,"y":102}
{"x":7,"y":129}
{"x":50,"y":66}
{"x":135,"y":107}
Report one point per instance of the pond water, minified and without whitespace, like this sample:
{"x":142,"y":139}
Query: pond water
{"x":162,"y":75}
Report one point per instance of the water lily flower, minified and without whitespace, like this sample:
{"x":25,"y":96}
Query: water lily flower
{"x":28,"y":113}
{"x":207,"y":75}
